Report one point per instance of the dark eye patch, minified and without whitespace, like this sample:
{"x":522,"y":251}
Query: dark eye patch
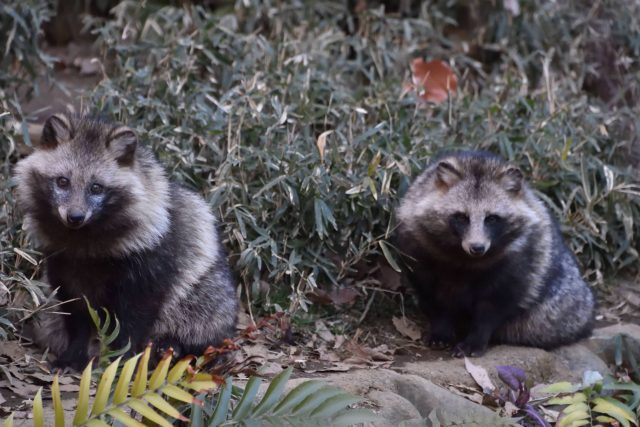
{"x":492,"y":219}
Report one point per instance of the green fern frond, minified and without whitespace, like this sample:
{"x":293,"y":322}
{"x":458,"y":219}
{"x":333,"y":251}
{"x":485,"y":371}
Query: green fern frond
{"x":106,"y":336}
{"x":586,"y":403}
{"x":135,"y":397}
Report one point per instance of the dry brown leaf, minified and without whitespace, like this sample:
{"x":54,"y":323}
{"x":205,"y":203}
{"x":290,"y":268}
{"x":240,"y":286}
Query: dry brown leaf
{"x":337,"y":296}
{"x":434,"y":80}
{"x":324,"y":332}
{"x":322,"y":142}
{"x":480,"y":375}
{"x":407,"y":327}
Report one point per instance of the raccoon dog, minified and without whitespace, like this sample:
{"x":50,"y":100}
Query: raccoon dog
{"x":487,"y":259}
{"x":116,"y":231}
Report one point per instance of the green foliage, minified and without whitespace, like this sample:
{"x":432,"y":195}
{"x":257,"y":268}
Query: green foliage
{"x":236,"y":108}
{"x":162,"y":396}
{"x":595,"y":402}
{"x":20,"y":26}
{"x":105,"y":336}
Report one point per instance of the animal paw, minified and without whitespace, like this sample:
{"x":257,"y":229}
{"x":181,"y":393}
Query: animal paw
{"x":468,"y":349}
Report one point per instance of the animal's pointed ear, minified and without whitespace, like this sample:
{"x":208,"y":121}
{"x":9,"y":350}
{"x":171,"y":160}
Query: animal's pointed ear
{"x":511,"y":179}
{"x":122,"y":143}
{"x":447,"y":174}
{"x":56,"y":130}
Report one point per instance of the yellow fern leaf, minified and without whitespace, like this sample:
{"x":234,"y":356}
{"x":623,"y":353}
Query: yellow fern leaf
{"x":122,"y":388}
{"x":38,"y":411}
{"x":140,"y":383}
{"x":104,"y":388}
{"x":57,"y":403}
{"x":160,"y":373}
{"x":164,"y":406}
{"x":124,"y":418}
{"x":147,"y":412}
{"x":82,"y":409}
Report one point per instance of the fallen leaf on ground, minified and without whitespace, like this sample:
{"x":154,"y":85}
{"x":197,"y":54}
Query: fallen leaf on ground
{"x":433,"y":80}
{"x":324,"y":332}
{"x":480,"y":375}
{"x":407,"y":327}
{"x":337,"y":296}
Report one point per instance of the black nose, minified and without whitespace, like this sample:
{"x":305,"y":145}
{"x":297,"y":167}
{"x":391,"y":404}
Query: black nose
{"x":75,"y":218}
{"x":477,"y":249}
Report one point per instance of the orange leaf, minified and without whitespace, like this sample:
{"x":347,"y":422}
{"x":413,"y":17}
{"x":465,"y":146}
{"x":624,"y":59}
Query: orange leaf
{"x":434,"y":80}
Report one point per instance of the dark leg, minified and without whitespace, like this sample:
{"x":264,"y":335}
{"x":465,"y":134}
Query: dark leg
{"x":79,"y":328}
{"x":487,"y":317}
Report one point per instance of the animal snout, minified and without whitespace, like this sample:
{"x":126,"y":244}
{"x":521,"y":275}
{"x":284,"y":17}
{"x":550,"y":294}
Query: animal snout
{"x":477,"y":249}
{"x":75,"y":218}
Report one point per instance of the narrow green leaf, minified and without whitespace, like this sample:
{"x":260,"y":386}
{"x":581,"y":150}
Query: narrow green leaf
{"x":57,"y":403}
{"x":273,"y":393}
{"x":222,"y":407}
{"x":389,"y":256}
{"x":38,"y":410}
{"x":333,"y":405}
{"x":82,"y":408}
{"x":297,"y":395}
{"x":313,"y":401}
{"x":122,"y":387}
{"x":350,"y":417}
{"x":244,"y":405}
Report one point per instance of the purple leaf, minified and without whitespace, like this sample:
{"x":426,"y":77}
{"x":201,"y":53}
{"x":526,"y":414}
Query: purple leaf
{"x":512,"y":376}
{"x":537,"y":417}
{"x":523,"y":397}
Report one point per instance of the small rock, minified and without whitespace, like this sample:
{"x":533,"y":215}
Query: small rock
{"x":575,"y":359}
{"x":604,"y":341}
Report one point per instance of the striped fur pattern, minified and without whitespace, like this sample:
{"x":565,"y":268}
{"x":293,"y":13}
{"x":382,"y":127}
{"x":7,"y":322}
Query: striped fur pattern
{"x":116,"y":230}
{"x":487,"y":258}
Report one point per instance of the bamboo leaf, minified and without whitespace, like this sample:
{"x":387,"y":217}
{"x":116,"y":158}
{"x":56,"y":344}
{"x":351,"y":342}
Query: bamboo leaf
{"x":38,"y":410}
{"x":244,"y":405}
{"x":82,"y":408}
{"x":147,"y":412}
{"x":104,"y":388}
{"x":58,"y":410}
{"x":273,"y":393}
{"x":122,"y":387}
{"x":568,"y":400}
{"x":140,"y":383}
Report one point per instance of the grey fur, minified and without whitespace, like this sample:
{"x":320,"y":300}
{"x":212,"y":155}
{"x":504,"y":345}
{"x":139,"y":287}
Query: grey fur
{"x":444,"y":214}
{"x":159,"y":232}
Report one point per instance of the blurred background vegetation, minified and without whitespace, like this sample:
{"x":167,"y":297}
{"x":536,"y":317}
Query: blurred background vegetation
{"x":235,"y":96}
